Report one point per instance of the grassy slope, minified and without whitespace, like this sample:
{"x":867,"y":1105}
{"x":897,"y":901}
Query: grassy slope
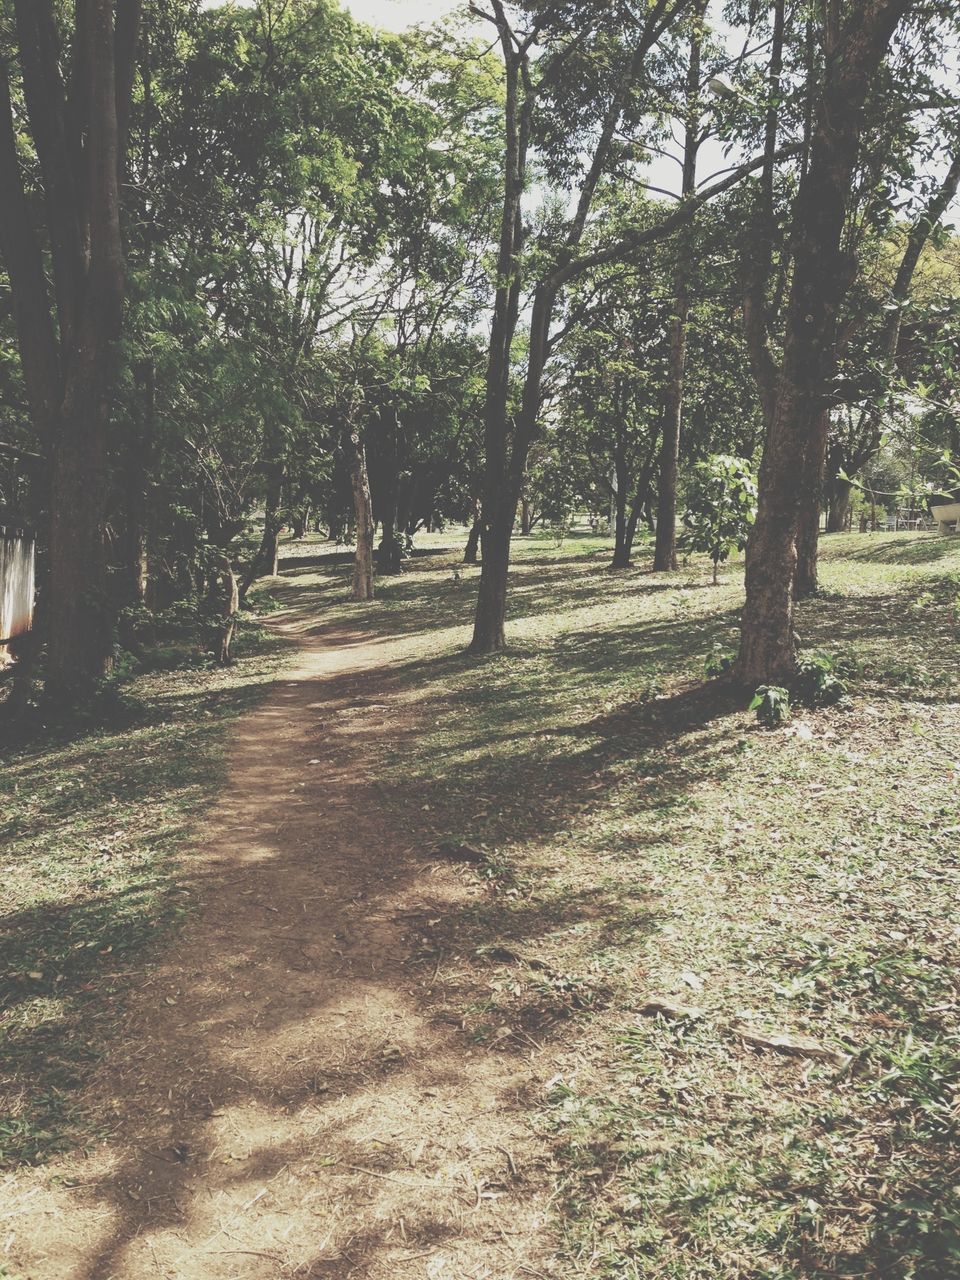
{"x":90,"y":825}
{"x":646,"y":837}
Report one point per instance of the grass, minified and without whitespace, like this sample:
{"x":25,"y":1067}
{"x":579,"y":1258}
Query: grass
{"x":91,"y":822}
{"x":646,"y":837}
{"x":643,"y":837}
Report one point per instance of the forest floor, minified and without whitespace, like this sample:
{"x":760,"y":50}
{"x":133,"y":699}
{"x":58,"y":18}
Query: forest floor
{"x":554,"y":964}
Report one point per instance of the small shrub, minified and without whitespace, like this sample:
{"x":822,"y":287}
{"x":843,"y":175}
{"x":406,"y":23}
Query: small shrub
{"x":817,"y":683}
{"x":772,"y":705}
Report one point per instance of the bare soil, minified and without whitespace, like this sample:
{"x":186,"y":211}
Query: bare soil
{"x":285,"y":1096}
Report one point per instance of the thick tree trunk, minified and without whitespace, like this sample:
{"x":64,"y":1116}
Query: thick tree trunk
{"x":362,"y":588}
{"x":489,"y":626}
{"x":69,"y":373}
{"x":821,"y":276}
{"x":80,"y":628}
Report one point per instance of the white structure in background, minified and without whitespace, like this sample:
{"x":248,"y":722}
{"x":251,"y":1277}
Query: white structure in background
{"x":947,"y":517}
{"x":17,"y":570}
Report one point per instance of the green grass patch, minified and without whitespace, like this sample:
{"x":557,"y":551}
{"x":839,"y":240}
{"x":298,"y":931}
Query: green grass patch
{"x":647,"y":837}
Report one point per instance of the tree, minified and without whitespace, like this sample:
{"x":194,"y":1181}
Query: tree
{"x":69,"y":321}
{"x":665,"y":550}
{"x":854,"y":46}
{"x":590,"y":84}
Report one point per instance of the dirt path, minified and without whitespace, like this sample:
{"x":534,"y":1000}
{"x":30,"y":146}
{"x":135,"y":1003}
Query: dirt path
{"x":281,"y":1101}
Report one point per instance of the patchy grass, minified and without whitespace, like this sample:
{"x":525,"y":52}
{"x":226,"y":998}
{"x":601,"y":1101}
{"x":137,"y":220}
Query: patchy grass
{"x":644,"y":836}
{"x":91,"y":821}
{"x":641,"y":836}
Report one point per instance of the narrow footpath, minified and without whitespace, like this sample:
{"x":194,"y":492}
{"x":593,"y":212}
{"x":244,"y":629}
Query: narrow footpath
{"x":282,"y":1100}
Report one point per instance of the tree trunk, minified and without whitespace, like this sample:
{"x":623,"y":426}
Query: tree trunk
{"x":231,"y":607}
{"x":811,"y":504}
{"x":621,"y":546}
{"x":820,"y":279}
{"x":838,"y":514}
{"x":390,"y":550}
{"x":665,"y":550}
{"x":137,"y":452}
{"x":300,"y":521}
{"x":489,"y":626}
{"x":363,"y":558}
{"x":759,"y":253}
{"x":526,"y":516}
{"x":499,"y":495}
{"x":273,"y":522}
{"x":473,"y":541}
{"x":69,"y":373}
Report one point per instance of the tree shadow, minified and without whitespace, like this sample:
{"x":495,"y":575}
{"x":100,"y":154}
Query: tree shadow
{"x":895,"y":549}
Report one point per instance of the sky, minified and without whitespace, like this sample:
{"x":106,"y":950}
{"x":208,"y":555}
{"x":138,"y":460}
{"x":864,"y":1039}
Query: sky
{"x":394,"y":15}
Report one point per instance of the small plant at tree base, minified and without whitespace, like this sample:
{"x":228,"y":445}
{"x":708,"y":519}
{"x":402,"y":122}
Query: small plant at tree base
{"x":772,"y":705}
{"x":817,"y":683}
{"x":719,"y":661}
{"x":721,"y":508}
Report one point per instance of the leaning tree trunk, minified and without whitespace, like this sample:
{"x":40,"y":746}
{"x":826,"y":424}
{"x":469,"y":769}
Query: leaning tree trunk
{"x":821,"y":276}
{"x":363,"y":508}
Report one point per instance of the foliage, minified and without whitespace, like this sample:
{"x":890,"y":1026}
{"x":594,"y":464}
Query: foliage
{"x":721,"y":506}
{"x":817,"y":683}
{"x":771,"y":702}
